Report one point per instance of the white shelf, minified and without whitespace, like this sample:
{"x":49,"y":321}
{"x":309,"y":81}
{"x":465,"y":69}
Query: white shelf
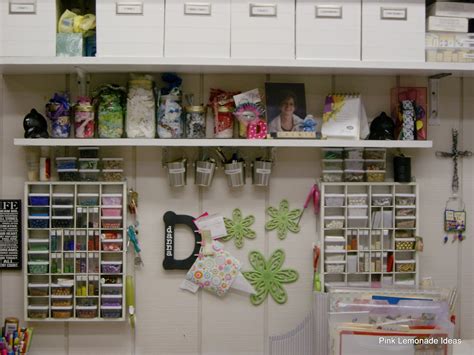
{"x":289,"y":143}
{"x":61,"y":65}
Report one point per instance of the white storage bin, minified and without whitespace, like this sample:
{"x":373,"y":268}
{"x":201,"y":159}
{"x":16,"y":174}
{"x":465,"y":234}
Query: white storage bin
{"x":130,"y":28}
{"x":197,"y":29}
{"x":328,"y":29}
{"x":334,"y":200}
{"x":335,"y":256}
{"x":28,"y":28}
{"x":357,"y":222}
{"x":335,"y":266}
{"x":334,"y":222}
{"x":357,"y":199}
{"x":393,"y":30}
{"x":263,"y":29}
{"x":358,"y":211}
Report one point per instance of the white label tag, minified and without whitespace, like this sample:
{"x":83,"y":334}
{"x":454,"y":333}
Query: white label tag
{"x":233,"y":171}
{"x":393,"y":14}
{"x":328,"y":11}
{"x":263,"y":10}
{"x":263,"y":171}
{"x":197,"y":9}
{"x":468,"y":55}
{"x":213,"y":223}
{"x":129,"y":8}
{"x":189,"y":286}
{"x":177,"y":171}
{"x":203,"y":170}
{"x":22,"y":8}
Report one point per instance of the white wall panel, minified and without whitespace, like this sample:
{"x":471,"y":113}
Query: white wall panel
{"x":172,"y":321}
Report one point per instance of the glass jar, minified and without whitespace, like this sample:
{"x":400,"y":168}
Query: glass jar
{"x":58,"y":111}
{"x":224,"y":123}
{"x":110,"y":112}
{"x":195,"y":122}
{"x":170,"y":123}
{"x":84,"y":122}
{"x":140,"y":121}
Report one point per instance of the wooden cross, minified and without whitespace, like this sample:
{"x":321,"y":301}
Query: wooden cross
{"x":455,"y":154}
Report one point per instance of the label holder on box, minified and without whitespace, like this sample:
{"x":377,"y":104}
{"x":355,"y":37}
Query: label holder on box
{"x":263,"y":10}
{"x":197,"y":9}
{"x":129,"y":8}
{"x":391,"y":13}
{"x":328,"y":11}
{"x":22,"y":8}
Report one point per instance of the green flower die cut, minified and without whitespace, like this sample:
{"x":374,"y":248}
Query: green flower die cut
{"x":238,"y":228}
{"x":283,"y":219}
{"x":268,"y":277}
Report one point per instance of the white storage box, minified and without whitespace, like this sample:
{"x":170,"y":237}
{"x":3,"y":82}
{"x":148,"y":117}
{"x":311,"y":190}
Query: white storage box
{"x":447,"y":24}
{"x":130,"y":28}
{"x":393,"y":30}
{"x":334,"y":200}
{"x":328,"y":29}
{"x":197,"y":29}
{"x":263,"y":29}
{"x":28,"y":28}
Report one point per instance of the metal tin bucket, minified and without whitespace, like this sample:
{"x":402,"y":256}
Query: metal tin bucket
{"x":204,"y":173}
{"x":177,"y":173}
{"x":235,"y":174}
{"x":261,"y":171}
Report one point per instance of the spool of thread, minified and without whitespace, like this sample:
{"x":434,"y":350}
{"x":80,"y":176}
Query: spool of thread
{"x":402,"y":168}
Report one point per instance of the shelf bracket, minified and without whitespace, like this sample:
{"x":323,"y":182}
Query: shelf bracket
{"x":433,"y":100}
{"x":83,"y":81}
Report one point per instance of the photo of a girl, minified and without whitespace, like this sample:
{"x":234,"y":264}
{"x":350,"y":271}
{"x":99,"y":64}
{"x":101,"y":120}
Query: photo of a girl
{"x":286,"y":107}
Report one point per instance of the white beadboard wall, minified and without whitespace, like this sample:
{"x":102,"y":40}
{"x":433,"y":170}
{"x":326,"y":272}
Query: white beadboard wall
{"x":171,"y":321}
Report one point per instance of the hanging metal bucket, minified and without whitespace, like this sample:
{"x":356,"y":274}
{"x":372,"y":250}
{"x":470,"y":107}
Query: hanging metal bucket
{"x":177,"y":173}
{"x":235,"y":174}
{"x":261,"y":172}
{"x":204,"y":173}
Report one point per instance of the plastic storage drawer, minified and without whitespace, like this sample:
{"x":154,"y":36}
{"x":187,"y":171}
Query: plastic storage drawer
{"x":381,"y":200}
{"x":405,"y":265}
{"x":38,"y":290}
{"x":88,"y":152}
{"x":112,"y":289}
{"x":88,"y":199}
{"x":38,"y":222}
{"x":61,"y":290}
{"x":333,"y":153}
{"x":111,"y":311}
{"x":38,"y":199}
{"x":63,"y":199}
{"x":334,"y":222}
{"x":357,"y":199}
{"x":86,"y":312}
{"x":38,"y":312}
{"x":111,"y":199}
{"x":333,"y":175}
{"x":111,"y":267}
{"x":61,"y":301}
{"x":334,"y":200}
{"x":62,"y":222}
{"x":111,"y":211}
{"x":405,"y":199}
{"x":38,"y":267}
{"x":61,"y":312}
{"x":112,"y":163}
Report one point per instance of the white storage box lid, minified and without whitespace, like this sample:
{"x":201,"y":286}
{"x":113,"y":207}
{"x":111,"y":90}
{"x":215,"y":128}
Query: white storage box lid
{"x":38,"y":262}
{"x":405,"y":195}
{"x":110,"y":307}
{"x":334,"y":239}
{"x":357,"y":217}
{"x":112,"y":285}
{"x":334,"y":261}
{"x":62,"y":217}
{"x":357,"y":195}
{"x":63,"y":194}
{"x":62,"y":206}
{"x":38,"y":241}
{"x":407,"y":206}
{"x":112,"y":262}
{"x":382,"y":195}
{"x":411,"y":261}
{"x":112,"y":171}
{"x":405,"y":217}
{"x":61,"y":296}
{"x":405,"y":239}
{"x":87,"y":195}
{"x":38,"y":194}
{"x":111,"y":159}
{"x":334,"y":217}
{"x":111,"y":296}
{"x":333,"y":171}
{"x":38,"y":308}
{"x":334,"y":195}
{"x":108,"y":218}
{"x":112,"y":240}
{"x":342,"y":251}
{"x":38,"y":217}
{"x":66,"y":158}
{"x":67,"y":170}
{"x":357,"y":206}
{"x":110,"y":206}
{"x":38,"y":251}
{"x":61,"y":308}
{"x":89,"y":171}
{"x":86,"y":308}
{"x":89,"y":159}
{"x":111,"y":195}
{"x":38,"y":285}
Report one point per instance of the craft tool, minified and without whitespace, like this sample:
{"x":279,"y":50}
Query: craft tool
{"x":313,"y":196}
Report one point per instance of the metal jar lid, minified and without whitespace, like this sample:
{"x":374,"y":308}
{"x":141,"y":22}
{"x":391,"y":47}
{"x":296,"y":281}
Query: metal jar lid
{"x":199,"y":109}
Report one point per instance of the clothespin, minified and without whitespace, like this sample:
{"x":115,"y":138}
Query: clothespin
{"x":206,"y":243}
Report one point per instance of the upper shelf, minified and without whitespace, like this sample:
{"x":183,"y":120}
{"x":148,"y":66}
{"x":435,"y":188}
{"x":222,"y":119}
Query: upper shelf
{"x":288,"y":143}
{"x":65,"y":65}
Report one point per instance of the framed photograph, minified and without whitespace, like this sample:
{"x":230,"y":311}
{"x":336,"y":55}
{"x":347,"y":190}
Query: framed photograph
{"x":286,"y":109}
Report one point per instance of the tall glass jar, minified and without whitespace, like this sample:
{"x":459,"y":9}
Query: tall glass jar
{"x":58,"y":111}
{"x":224,"y":123}
{"x":170,"y":122}
{"x":195,"y":122}
{"x":84,"y":118}
{"x":110,"y":112}
{"x":140,"y":121}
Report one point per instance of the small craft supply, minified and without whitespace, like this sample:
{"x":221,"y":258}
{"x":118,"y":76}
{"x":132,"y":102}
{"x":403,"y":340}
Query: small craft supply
{"x":454,"y":154}
{"x":110,"y":102}
{"x":170,"y":112}
{"x":196,"y":122}
{"x":454,"y":221}
{"x":16,"y":340}
{"x":238,"y":228}
{"x":35,"y":125}
{"x":409,"y":107}
{"x":132,"y":237}
{"x":132,"y":201}
{"x":58,"y":111}
{"x":130,"y":293}
{"x":268,"y":277}
{"x":251,"y":123}
{"x":316,"y":277}
{"x":382,"y":128}
{"x":84,"y":118}
{"x":309,"y":124}
{"x":222,"y":105}
{"x":140,"y":122}
{"x":283,"y":219}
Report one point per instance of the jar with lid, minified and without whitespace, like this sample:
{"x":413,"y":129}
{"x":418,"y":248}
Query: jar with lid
{"x":224,"y":123}
{"x":58,"y":111}
{"x":170,"y":123}
{"x":84,"y":116}
{"x":195,"y":122}
{"x":140,"y":121}
{"x":110,"y":112}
